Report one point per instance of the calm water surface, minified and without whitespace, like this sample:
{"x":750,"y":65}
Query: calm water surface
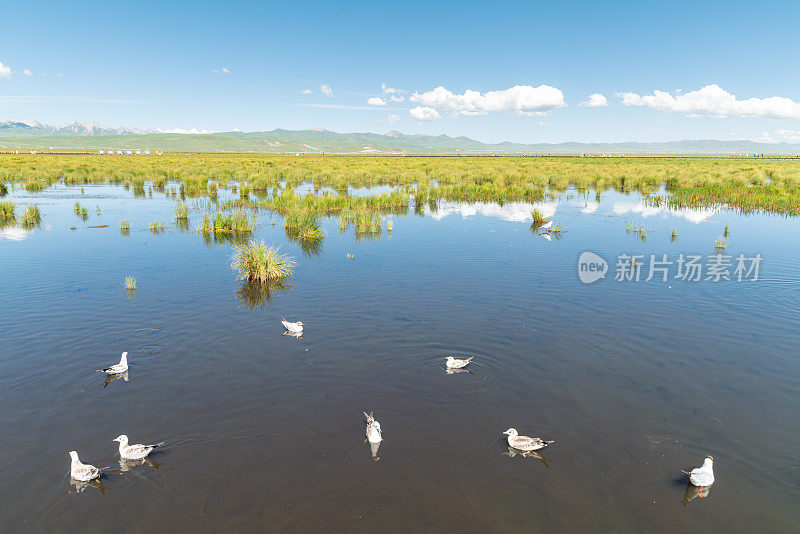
{"x":264,"y":432}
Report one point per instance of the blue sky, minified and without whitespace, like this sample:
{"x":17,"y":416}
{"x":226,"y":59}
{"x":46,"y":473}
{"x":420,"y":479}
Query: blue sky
{"x":160,"y":65}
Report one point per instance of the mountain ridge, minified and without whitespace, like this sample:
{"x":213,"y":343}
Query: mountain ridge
{"x":92,"y":135}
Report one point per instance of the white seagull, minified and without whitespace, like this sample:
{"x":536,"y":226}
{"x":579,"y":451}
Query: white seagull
{"x":80,"y":471}
{"x":703,"y":475}
{"x":524,"y":443}
{"x":292,"y":328}
{"x":373,"y":429}
{"x":453,"y":363}
{"x":117,"y":368}
{"x":134,"y":452}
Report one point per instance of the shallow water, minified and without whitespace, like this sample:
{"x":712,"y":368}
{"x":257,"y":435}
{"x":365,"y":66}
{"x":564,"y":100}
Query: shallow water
{"x":633,"y":380}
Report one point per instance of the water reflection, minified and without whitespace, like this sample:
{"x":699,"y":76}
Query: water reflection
{"x":374,"y":449}
{"x":512,"y":452}
{"x":79,"y":486}
{"x":456,"y":371}
{"x":692,"y":492}
{"x":110,"y":378}
{"x":14,"y":234}
{"x":255,"y":295}
{"x":128,"y":465}
{"x":509,"y":211}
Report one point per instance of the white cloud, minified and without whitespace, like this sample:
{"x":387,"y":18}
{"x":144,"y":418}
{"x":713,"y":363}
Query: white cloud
{"x":390,"y":90}
{"x":595,"y":100}
{"x":305,"y":92}
{"x":376,"y":101}
{"x":424,"y":113}
{"x":395,"y":98}
{"x":522,"y":99}
{"x":393,"y":117}
{"x":326,"y":90}
{"x":713,"y":101}
{"x":225,"y":70}
{"x":510,"y":211}
{"x":26,"y":72}
{"x":189,"y":131}
{"x":5,"y":72}
{"x":765,"y":137}
{"x":790,"y":135}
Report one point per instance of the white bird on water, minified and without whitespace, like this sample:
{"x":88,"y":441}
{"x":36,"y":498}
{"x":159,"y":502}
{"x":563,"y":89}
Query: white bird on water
{"x":373,"y":429}
{"x":454,"y":363}
{"x":117,"y":368}
{"x":525,"y":443}
{"x":80,"y":471}
{"x":292,"y":328}
{"x":134,"y":452}
{"x":703,"y":475}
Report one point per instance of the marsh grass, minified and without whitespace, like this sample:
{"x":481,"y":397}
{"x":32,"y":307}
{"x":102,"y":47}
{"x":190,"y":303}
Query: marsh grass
{"x":674,"y":234}
{"x":156,"y":227}
{"x":182,"y":212}
{"x":538,"y":218}
{"x":81,"y":211}
{"x":720,"y":243}
{"x":303,"y":224}
{"x":557,"y":230}
{"x":7,"y":210}
{"x":3,"y":189}
{"x":638,"y":230}
{"x":130,"y":283}
{"x":726,"y":231}
{"x":31,"y":217}
{"x":257,"y":262}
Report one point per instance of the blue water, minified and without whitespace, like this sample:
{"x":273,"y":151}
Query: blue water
{"x":633,"y":380}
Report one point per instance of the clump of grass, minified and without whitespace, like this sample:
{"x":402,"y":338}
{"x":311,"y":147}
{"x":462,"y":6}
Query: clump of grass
{"x":156,"y":227}
{"x":81,"y":211}
{"x":35,"y":185}
{"x":726,"y":231}
{"x":244,"y":192}
{"x":539,"y":218}
{"x":674,"y":234}
{"x":256,"y":262}
{"x":303,"y":224}
{"x":182,"y":212}
{"x":638,"y":230}
{"x":3,"y":189}
{"x":205,"y":226}
{"x":31,"y":217}
{"x":7,"y":209}
{"x":720,"y":243}
{"x":368,"y":223}
{"x":240,"y":222}
{"x":124,"y":225}
{"x":130,"y":283}
{"x":389,"y":226}
{"x":557,"y":229}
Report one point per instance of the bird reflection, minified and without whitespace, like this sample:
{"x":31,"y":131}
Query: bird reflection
{"x":126,"y":465}
{"x":110,"y":378}
{"x":512,"y":452}
{"x":693,"y":491}
{"x":81,"y":486}
{"x":298,"y":335}
{"x":374,"y":448}
{"x":456,"y":371}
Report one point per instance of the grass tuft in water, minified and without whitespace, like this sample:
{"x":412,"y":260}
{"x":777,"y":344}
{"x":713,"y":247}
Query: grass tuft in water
{"x":7,"y":209}
{"x":720,"y":243}
{"x":257,"y":262}
{"x":124,"y":224}
{"x":726,"y":231}
{"x":638,"y":230}
{"x":156,"y":227}
{"x":3,"y":189}
{"x":674,"y":234}
{"x":130,"y":283}
{"x":538,"y":217}
{"x":31,"y":217}
{"x":182,"y":212}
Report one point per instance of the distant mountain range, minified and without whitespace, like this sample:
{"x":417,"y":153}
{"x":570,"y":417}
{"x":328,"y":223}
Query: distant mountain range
{"x":34,"y":128}
{"x":92,"y":135}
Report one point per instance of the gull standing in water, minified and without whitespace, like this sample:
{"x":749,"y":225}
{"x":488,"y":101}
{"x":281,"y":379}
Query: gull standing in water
{"x":292,"y":328}
{"x":134,"y":452}
{"x":525,"y":443}
{"x":704,"y":475}
{"x":80,"y":471}
{"x":453,"y":363}
{"x":117,"y":368}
